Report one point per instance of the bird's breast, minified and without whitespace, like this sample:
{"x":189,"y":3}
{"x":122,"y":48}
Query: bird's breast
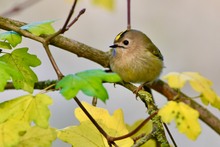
{"x":137,"y":68}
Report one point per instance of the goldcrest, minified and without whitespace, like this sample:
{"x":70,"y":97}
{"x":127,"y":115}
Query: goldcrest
{"x":135,"y":58}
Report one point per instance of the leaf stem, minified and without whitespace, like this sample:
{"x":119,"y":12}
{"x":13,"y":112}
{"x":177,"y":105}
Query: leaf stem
{"x":94,"y":101}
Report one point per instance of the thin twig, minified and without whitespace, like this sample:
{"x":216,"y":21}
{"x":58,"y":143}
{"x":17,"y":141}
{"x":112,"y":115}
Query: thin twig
{"x":138,"y":137}
{"x":137,"y":128}
{"x":109,"y":138}
{"x":52,"y":60}
{"x":77,"y":17}
{"x":143,"y":140}
{"x":128,"y":14}
{"x":69,"y":16}
{"x":61,"y":31}
{"x":171,"y":136}
{"x":70,"y":45}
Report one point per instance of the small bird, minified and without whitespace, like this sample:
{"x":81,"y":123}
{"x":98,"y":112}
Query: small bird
{"x":135,"y":58}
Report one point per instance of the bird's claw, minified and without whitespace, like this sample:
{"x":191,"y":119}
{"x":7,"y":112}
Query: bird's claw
{"x":137,"y":90}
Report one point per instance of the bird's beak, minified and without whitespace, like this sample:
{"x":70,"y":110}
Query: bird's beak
{"x":113,"y":46}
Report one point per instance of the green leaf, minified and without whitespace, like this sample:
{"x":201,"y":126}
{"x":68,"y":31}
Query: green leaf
{"x":6,"y":72}
{"x":21,"y":61}
{"x":27,"y":108}
{"x":186,"y":118}
{"x":38,"y":137}
{"x":39,"y":28}
{"x":11,"y":131}
{"x":5,"y":45}
{"x":86,"y":133}
{"x":89,"y":82}
{"x":12,"y":37}
{"x":4,"y":77}
{"x":36,"y":28}
{"x":107,"y":4}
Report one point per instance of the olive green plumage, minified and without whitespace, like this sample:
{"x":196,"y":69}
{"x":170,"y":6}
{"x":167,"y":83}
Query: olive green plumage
{"x":135,"y":58}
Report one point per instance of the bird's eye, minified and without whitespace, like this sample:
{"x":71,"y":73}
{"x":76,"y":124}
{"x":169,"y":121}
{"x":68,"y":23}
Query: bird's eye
{"x":125,"y":42}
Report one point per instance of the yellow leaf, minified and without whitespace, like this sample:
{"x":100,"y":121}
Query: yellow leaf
{"x":84,"y":135}
{"x":27,"y":108}
{"x":202,"y":85}
{"x":11,"y":131}
{"x":185,"y":117}
{"x":216,"y":103}
{"x":36,"y":136}
{"x":87,"y":133}
{"x":198,"y":83}
{"x":108,"y":4}
{"x":176,"y":80}
{"x":102,"y":116}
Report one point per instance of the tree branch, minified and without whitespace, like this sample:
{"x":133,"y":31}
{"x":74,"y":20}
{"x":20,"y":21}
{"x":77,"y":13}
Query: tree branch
{"x":80,"y":49}
{"x":102,"y":58}
{"x":205,"y":115}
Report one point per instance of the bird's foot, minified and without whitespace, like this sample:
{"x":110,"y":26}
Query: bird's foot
{"x":138,"y":89}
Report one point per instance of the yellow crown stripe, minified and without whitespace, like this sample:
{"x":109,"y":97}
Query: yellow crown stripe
{"x":119,"y":35}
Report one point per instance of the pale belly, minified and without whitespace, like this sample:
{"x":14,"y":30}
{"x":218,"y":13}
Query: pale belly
{"x":137,"y":70}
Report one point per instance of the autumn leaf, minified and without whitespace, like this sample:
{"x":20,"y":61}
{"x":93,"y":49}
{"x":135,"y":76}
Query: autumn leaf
{"x":176,"y":80}
{"x":12,"y":131}
{"x":108,"y":4}
{"x":37,"y":136}
{"x":19,"y":133}
{"x":90,"y":82}
{"x":216,"y":103}
{"x":186,"y":118}
{"x":21,"y":61}
{"x":198,"y":83}
{"x":27,"y":108}
{"x":6,"y":73}
{"x":86,"y":133}
{"x":5,"y":45}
